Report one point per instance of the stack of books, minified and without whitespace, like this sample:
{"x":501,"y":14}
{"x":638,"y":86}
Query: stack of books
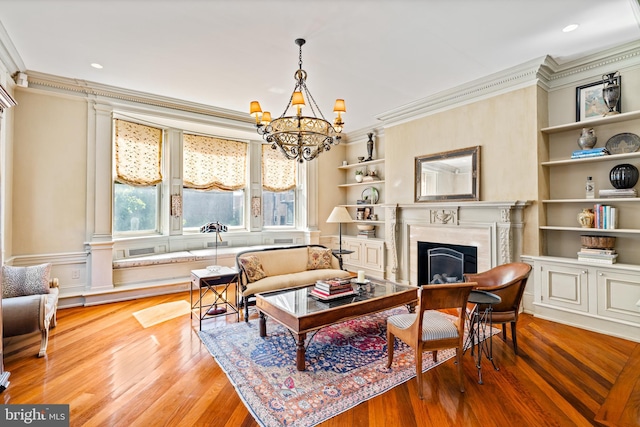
{"x":600,"y":256}
{"x":365,"y":234}
{"x":593,"y":152}
{"x":614,"y":192}
{"x":332,"y":288}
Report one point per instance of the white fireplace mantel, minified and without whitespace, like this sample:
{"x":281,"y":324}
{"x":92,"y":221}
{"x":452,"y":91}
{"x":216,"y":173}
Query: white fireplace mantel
{"x":495,"y":228}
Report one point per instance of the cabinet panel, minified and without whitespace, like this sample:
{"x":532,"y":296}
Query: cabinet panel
{"x":373,"y":256}
{"x":565,"y":286}
{"x":618,"y":295}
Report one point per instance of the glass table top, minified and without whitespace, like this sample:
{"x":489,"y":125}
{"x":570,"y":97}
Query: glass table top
{"x":300,"y":302}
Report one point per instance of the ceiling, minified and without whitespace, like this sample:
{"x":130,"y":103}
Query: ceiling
{"x":378,"y":55}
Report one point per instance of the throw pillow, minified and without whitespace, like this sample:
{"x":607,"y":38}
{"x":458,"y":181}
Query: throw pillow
{"x":20,"y":281}
{"x":319,"y":258}
{"x":253,"y":267}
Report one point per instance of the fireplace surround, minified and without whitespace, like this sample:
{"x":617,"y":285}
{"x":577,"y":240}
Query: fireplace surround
{"x":495,"y":229}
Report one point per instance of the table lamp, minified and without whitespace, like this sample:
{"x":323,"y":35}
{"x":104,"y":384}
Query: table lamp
{"x":339,"y":215}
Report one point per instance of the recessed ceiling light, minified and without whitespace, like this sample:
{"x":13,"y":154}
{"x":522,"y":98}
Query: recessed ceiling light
{"x":96,"y":65}
{"x":570,"y":28}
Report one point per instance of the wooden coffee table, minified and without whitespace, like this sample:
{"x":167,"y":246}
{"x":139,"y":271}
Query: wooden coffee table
{"x":301,"y":313}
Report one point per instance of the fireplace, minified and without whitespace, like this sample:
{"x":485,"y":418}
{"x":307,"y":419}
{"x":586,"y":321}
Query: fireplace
{"x":445,"y":263}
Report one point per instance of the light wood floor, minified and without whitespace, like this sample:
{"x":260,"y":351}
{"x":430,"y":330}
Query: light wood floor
{"x":113,"y":372}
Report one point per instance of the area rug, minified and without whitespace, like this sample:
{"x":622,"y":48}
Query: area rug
{"x":161,"y":313}
{"x":345,"y":366}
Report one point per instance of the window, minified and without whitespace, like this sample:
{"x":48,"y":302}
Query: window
{"x":214,"y":180}
{"x":138,"y":174}
{"x":278,"y":188}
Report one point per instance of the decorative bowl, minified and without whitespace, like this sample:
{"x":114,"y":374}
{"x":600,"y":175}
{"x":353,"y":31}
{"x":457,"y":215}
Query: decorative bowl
{"x":366,"y":227}
{"x":598,"y":242}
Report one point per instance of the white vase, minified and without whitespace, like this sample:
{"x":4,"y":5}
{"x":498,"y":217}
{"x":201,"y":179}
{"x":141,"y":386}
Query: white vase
{"x":358,"y":178}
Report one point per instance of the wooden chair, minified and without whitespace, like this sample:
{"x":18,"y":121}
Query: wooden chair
{"x":508,"y":282}
{"x":429,"y":330}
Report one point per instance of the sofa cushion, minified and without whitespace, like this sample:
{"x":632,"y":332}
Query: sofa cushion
{"x":319,"y":258}
{"x":301,"y":278}
{"x":20,"y":281}
{"x":282,"y":261}
{"x":253,"y":267}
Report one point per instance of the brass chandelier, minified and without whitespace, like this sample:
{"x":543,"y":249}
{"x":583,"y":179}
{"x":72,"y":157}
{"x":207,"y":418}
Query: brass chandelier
{"x":300,"y":137}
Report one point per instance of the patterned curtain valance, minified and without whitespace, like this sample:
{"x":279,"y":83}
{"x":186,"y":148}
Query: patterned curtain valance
{"x":213,"y":163}
{"x":138,"y":154}
{"x":278,"y":172}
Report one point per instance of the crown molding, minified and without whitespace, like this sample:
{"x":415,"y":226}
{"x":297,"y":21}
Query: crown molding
{"x":90,"y":89}
{"x":545,"y":72}
{"x":9,"y":55}
{"x":501,"y":82}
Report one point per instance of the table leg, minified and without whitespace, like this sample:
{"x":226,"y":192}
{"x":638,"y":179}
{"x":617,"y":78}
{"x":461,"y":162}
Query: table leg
{"x":300,"y":352}
{"x":263,"y":324}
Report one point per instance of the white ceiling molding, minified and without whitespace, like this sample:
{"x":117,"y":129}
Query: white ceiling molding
{"x":504,"y":81}
{"x":68,"y":85}
{"x":9,"y":55}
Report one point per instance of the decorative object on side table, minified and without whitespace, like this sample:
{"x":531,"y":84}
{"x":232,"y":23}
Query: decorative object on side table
{"x":215,"y":227}
{"x":369,"y":147}
{"x":359,"y":176}
{"x":611,"y":93}
{"x":623,"y":176}
{"x":590,"y":103}
{"x":586,"y":217}
{"x":587,"y":139}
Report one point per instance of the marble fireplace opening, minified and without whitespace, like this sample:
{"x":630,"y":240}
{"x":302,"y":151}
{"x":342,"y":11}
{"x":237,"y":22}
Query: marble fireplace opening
{"x":445,"y":263}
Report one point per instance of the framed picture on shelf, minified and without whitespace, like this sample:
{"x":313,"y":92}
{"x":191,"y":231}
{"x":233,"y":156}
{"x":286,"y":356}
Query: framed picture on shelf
{"x":589,"y":101}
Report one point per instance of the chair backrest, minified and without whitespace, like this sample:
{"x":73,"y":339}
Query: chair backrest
{"x":508,"y":281}
{"x":449,"y":295}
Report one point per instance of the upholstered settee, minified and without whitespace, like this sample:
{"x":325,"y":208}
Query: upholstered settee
{"x":29,"y":302}
{"x":270,"y":269}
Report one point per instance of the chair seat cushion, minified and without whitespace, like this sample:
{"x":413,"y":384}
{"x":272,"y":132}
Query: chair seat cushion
{"x":434,"y":325}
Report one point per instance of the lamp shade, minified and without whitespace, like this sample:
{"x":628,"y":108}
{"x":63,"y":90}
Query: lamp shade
{"x":254,"y":108}
{"x":297,"y":99}
{"x":339,"y":107}
{"x":339,"y":215}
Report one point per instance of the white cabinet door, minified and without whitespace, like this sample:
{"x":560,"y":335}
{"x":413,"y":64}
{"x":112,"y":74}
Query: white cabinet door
{"x":565,"y":286}
{"x":618,"y":295}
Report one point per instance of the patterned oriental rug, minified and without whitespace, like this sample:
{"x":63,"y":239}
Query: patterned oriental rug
{"x":345,"y":366}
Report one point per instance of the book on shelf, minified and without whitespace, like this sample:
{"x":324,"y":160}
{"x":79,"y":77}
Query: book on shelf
{"x":597,"y":260}
{"x":605,"y":216}
{"x":615,"y":192}
{"x":597,"y":251}
{"x":592,"y":152}
{"x":365,"y":234}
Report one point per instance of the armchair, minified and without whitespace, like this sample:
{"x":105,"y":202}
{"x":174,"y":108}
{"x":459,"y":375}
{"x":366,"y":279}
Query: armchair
{"x":29,"y":302}
{"x":508,"y":282}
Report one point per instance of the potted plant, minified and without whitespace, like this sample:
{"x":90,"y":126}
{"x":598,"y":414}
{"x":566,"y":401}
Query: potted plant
{"x":359,"y":175}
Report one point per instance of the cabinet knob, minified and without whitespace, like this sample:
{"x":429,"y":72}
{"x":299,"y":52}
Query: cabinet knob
{"x":601,"y":274}
{"x":584,"y":271}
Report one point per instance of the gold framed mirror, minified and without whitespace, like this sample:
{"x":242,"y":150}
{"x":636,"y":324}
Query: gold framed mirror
{"x":451,"y":175}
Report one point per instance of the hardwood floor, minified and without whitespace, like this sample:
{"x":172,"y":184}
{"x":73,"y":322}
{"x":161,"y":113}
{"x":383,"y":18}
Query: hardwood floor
{"x":113,"y":372}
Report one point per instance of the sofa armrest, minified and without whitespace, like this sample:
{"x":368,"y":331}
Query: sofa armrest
{"x":23,"y":315}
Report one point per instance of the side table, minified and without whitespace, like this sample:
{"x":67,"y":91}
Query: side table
{"x":210,"y":282}
{"x":481,"y":327}
{"x":339,"y":253}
